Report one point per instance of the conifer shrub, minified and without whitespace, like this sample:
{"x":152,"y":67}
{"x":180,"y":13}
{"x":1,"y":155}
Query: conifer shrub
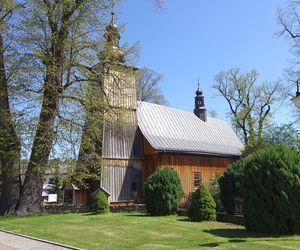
{"x":203,"y":206}
{"x":163,"y":192}
{"x":230,"y":185}
{"x":271,"y":191}
{"x":214,"y":189}
{"x":100,"y":203}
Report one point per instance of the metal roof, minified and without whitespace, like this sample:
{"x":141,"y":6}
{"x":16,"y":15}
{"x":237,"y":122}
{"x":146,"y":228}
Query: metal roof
{"x":175,"y":130}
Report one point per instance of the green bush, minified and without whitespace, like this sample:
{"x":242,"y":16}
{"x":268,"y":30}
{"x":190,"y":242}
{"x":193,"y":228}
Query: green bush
{"x":230,"y":185}
{"x":203,"y":206}
{"x":214,"y":189}
{"x":271,"y":191}
{"x":100,"y":203}
{"x":163,"y":192}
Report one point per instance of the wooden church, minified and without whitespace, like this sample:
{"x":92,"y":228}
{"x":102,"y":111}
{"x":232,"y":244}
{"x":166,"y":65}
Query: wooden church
{"x":153,"y":136}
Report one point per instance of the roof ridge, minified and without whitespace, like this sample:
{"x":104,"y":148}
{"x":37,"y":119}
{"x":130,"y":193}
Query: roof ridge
{"x":178,"y":109}
{"x":169,"y":129}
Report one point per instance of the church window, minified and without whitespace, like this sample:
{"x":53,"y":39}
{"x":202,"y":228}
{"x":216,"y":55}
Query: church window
{"x":197,"y":179}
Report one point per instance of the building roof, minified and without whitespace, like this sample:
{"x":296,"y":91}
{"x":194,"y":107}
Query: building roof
{"x":175,"y":130}
{"x":69,"y":186}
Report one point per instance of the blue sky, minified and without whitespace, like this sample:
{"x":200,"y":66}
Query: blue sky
{"x":199,"y":38}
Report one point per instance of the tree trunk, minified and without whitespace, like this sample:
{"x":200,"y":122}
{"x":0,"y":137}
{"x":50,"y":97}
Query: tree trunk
{"x":9,"y":146}
{"x":31,"y":194}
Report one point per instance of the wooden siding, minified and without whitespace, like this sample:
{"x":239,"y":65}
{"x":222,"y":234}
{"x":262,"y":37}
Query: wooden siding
{"x":148,"y":149}
{"x":118,"y":181}
{"x":80,"y":197}
{"x":123,"y":163}
{"x":122,"y":138}
{"x":120,"y":87}
{"x":151,"y":163}
{"x":185,"y":165}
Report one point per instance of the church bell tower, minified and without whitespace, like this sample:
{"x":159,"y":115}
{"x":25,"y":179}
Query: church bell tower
{"x":200,"y":110}
{"x":118,"y":78}
{"x":121,"y":146}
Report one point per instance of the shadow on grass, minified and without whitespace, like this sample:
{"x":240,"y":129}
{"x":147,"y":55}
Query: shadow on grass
{"x":242,"y":236}
{"x":211,"y":245}
{"x":216,"y":244}
{"x":248,"y":237}
{"x":135,"y":214}
{"x":185,"y":219}
{"x":93,"y":214}
{"x":236,"y":234}
{"x":232,"y":233}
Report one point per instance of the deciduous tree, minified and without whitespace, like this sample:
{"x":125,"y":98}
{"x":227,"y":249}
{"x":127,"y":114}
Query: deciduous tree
{"x":250,"y":103}
{"x":60,"y":35}
{"x":148,"y":89}
{"x":9,"y":141}
{"x":289,"y":21}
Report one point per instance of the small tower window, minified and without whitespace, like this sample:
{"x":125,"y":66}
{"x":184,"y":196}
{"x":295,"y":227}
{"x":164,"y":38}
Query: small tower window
{"x":133,"y":186}
{"x":197,"y":179}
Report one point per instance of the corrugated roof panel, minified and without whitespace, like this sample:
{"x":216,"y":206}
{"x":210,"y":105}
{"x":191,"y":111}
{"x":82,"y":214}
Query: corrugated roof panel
{"x":172,"y":129}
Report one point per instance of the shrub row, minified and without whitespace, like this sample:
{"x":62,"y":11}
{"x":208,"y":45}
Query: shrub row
{"x":163,"y":192}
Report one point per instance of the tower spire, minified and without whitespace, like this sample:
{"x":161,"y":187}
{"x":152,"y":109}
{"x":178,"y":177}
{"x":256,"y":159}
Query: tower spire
{"x":113,"y":18}
{"x":200,"y":109}
{"x":112,"y":52}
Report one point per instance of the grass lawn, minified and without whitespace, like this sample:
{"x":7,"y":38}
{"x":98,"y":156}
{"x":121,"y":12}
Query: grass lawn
{"x":138,"y":231}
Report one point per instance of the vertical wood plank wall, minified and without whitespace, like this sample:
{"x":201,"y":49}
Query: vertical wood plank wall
{"x":185,"y":165}
{"x":80,"y":197}
{"x":118,"y":176}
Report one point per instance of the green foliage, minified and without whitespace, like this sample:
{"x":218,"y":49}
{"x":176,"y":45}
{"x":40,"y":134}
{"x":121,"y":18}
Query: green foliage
{"x":286,"y":134}
{"x":214,"y":189}
{"x":100,"y":203}
{"x":271,"y":191}
{"x":203,"y":206}
{"x":163,"y":192}
{"x":250,"y":104}
{"x":230,"y":184}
